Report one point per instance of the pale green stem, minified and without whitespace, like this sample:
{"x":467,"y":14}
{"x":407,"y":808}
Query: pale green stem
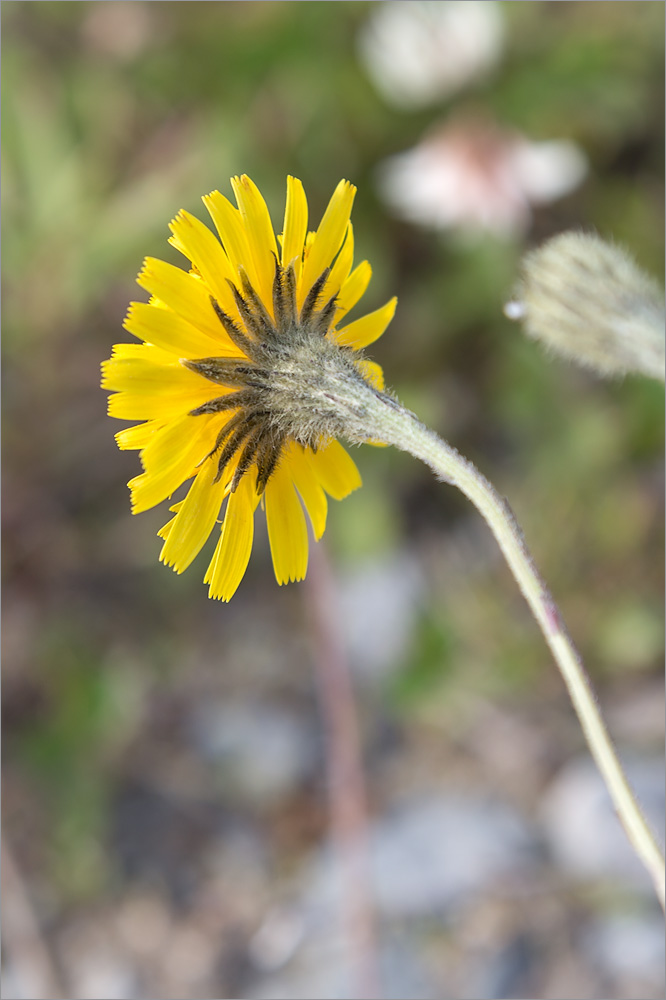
{"x":389,"y":422}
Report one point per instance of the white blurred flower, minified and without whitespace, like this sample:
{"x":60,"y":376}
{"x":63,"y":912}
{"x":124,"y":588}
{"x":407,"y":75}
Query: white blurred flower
{"x":417,"y":52}
{"x":474,"y":176}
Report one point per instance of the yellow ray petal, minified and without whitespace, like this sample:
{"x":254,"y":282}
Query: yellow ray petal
{"x":142,"y":368}
{"x":188,"y":434}
{"x":161,"y":326}
{"x":353,"y":289}
{"x":155,"y":406}
{"x":368,"y":328}
{"x":150,"y":389}
{"x":375,"y":376}
{"x":187,"y":295}
{"x":372,"y":372}
{"x":141,"y":352}
{"x":136,"y":437}
{"x":192,"y":525}
{"x":335,"y":469}
{"x":308,"y":486}
{"x":287,"y":532}
{"x":340,"y":269}
{"x":166,"y":528}
{"x":164,"y":531}
{"x":260,"y":235}
{"x":179,"y":246}
{"x":130,"y":370}
{"x":207,"y":255}
{"x":171,"y":457}
{"x":328,"y":238}
{"x":233,"y":549}
{"x":295,"y":225}
{"x":229,"y":224}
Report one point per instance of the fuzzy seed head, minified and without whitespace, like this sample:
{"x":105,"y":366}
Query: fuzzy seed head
{"x":587,"y":300}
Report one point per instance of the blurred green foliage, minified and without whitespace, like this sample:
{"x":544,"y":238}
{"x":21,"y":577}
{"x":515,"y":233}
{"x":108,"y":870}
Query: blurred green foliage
{"x":429,"y":663}
{"x":116,"y":115}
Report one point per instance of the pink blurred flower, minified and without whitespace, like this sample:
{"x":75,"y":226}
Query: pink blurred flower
{"x":473,"y":175}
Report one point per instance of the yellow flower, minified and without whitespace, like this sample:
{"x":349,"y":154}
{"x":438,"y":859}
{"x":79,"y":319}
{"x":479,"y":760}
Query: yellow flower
{"x":243,"y":378}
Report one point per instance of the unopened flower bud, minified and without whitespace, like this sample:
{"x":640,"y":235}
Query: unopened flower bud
{"x":587,"y":300}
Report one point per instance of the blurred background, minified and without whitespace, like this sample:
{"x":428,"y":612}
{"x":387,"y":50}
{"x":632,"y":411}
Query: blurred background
{"x":166,"y":827}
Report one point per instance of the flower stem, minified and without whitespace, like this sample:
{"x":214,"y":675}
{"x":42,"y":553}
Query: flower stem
{"x":388,"y":421}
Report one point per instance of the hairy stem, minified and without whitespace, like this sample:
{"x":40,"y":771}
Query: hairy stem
{"x":391,"y":423}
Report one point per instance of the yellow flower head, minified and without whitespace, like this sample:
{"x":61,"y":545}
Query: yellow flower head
{"x":245,"y":376}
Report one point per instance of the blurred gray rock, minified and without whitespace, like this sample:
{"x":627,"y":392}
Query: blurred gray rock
{"x":582,"y":829}
{"x":379,"y":602}
{"x":323,"y":968}
{"x":425,"y":855}
{"x":428,"y":852}
{"x":264,"y":751}
{"x":94,"y":966}
{"x":506,"y":972}
{"x":629,"y":946}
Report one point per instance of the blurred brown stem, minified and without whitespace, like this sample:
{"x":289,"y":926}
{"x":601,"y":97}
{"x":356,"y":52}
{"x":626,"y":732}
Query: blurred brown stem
{"x":347,"y":796}
{"x":26,"y":953}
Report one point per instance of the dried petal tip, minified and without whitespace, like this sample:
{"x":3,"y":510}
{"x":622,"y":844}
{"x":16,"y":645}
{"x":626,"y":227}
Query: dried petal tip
{"x":587,"y":300}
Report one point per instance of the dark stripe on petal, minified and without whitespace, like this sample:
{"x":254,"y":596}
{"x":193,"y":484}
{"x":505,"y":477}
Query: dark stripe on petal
{"x":249,"y":347}
{"x":313,"y":295}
